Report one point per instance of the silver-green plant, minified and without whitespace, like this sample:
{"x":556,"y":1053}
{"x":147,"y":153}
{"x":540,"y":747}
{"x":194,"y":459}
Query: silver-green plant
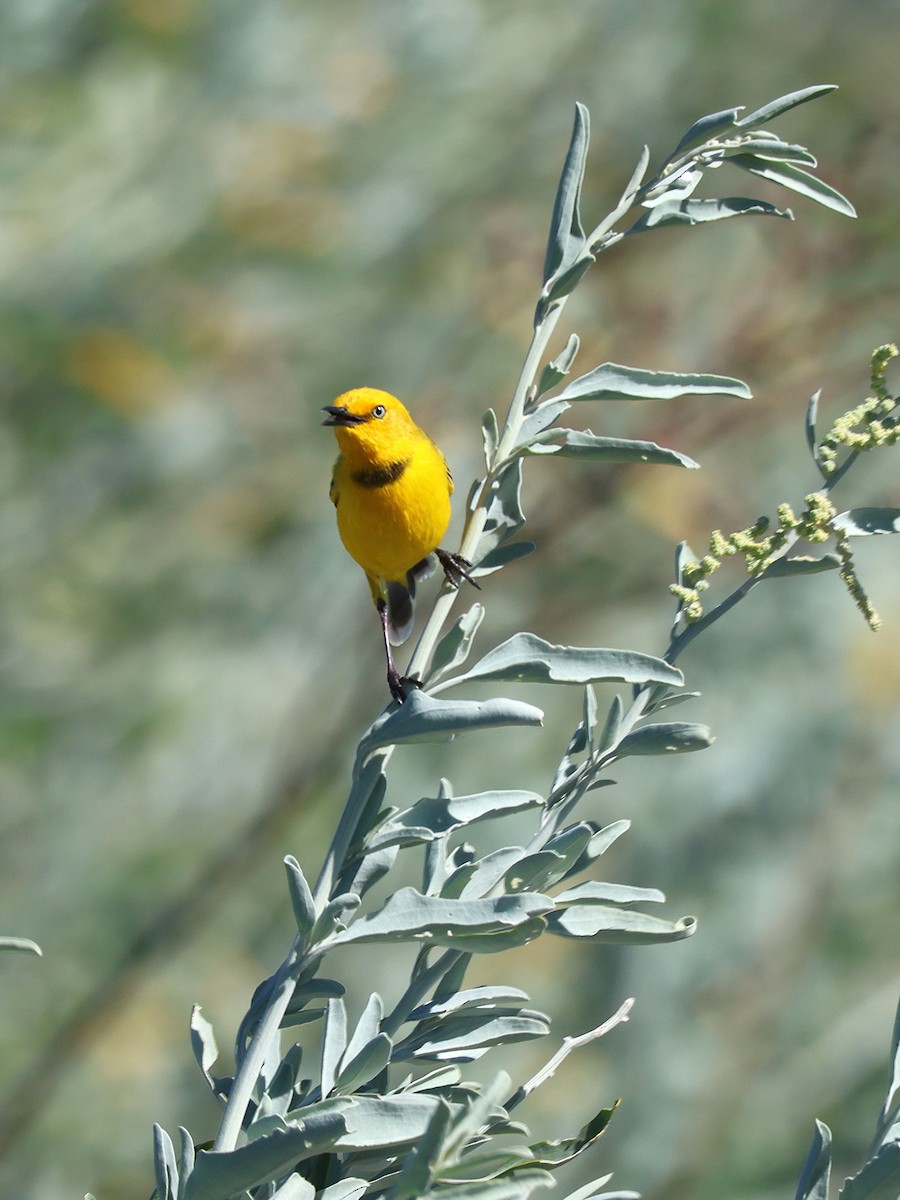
{"x":386,"y":1109}
{"x":879,"y":1176}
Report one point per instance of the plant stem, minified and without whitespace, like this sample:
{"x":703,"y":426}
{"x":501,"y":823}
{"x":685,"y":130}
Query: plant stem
{"x":366,"y":771}
{"x":252,"y":1063}
{"x":477,"y":515}
{"x":365,"y":775}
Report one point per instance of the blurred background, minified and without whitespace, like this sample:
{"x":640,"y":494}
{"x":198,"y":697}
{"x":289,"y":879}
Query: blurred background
{"x":214,"y":217}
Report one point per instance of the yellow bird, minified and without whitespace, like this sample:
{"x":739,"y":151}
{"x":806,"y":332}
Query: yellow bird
{"x":391,"y":487}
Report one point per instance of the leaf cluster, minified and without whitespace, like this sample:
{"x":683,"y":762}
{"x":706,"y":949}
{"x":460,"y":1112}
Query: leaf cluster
{"x":771,"y":555}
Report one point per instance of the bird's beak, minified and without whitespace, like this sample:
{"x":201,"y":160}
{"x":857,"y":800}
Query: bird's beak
{"x":338,"y":415}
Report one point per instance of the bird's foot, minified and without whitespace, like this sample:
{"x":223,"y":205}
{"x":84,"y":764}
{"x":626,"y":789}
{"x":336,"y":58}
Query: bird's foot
{"x":456,"y":568}
{"x":399,"y":683}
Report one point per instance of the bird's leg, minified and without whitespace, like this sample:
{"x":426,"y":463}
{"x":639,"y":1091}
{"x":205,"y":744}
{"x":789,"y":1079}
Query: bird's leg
{"x":456,"y":568}
{"x":396,"y":681}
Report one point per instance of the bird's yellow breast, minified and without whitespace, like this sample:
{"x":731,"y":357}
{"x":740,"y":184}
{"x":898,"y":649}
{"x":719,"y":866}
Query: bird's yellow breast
{"x":393,"y":509}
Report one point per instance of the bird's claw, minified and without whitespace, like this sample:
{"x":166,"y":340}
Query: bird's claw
{"x":399,"y":683}
{"x":456,"y":568}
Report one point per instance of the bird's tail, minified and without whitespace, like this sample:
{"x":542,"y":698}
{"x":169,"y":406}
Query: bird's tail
{"x":401,"y":601}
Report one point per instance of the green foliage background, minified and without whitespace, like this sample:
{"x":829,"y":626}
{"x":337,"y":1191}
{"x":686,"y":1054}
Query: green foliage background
{"x":213,"y":218}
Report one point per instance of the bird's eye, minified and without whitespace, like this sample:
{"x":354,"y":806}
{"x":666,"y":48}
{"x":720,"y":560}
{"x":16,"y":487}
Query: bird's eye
{"x":378,"y":411}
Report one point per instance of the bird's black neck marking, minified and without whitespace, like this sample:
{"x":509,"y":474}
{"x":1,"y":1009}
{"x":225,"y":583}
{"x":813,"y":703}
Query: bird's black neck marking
{"x":377,"y":477}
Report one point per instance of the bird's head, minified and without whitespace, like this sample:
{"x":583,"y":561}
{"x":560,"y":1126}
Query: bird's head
{"x":369,"y":423}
